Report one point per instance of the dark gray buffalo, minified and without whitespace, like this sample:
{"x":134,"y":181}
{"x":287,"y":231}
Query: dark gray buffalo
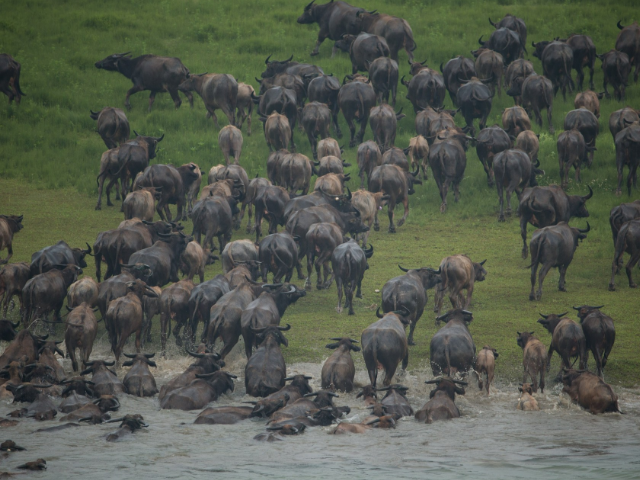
{"x":455,"y":71}
{"x":474,"y":99}
{"x":516,"y":73}
{"x":278,"y":253}
{"x":584,"y":55}
{"x":398,"y":185}
{"x":628,"y":241}
{"x":628,"y":41}
{"x":513,"y":23}
{"x":113,"y":126}
{"x":452,"y":349}
{"x":266,"y":371}
{"x":557,"y":61}
{"x":514,"y":171}
{"x":383,"y":74}
{"x":59,"y":254}
{"x":506,"y":42}
{"x":448,"y":161}
{"x":384,"y":344}
{"x":616,"y":67}
{"x":599,"y":332}
{"x":395,"y":30}
{"x":163,"y":258}
{"x":537,"y":94}
{"x":10,"y":78}
{"x":384,"y":122}
{"x":363,"y":50}
{"x":587,"y":124}
{"x":338,"y":370}
{"x":325,"y":89}
{"x":628,"y":154}
{"x":173,"y":183}
{"x":426,"y":88}
{"x":356,"y":99}
{"x":316,"y":120}
{"x":491,"y":141}
{"x":567,"y":338}
{"x":572,"y":152}
{"x":349,"y":263}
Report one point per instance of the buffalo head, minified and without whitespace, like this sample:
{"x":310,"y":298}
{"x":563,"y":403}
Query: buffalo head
{"x":111,"y":62}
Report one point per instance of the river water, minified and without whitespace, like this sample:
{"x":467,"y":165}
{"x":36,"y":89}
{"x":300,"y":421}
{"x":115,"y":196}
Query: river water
{"x":491,"y":438}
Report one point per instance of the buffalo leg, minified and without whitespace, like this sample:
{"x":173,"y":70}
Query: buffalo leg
{"x":549,"y":355}
{"x":499,"y":187}
{"x":629,"y":267}
{"x":412,"y":327}
{"x":165,"y":325}
{"x":159,"y":208}
{"x":444,"y":190}
{"x":537,"y":114}
{"x":363,"y":126}
{"x":339,"y":286}
{"x":405,"y":204}
{"x":543,"y":273}
{"x":231,"y":116}
{"x":563,"y":272}
{"x":310,"y":262}
{"x":390,"y":208}
{"x":523,"y":232}
{"x":322,"y":35}
{"x":352,"y":129}
{"x":9,"y":254}
{"x":152,"y":98}
{"x":349,"y":288}
{"x":132,"y":90}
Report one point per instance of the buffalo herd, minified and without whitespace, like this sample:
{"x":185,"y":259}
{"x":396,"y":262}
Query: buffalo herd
{"x":327,"y":224}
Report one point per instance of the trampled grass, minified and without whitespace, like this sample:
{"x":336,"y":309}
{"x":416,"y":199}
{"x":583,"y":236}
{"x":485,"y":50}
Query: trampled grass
{"x":50,"y":152}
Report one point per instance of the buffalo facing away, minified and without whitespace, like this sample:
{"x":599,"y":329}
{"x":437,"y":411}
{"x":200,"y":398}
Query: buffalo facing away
{"x":149,"y":72}
{"x":627,"y":42}
{"x":113,"y":126}
{"x":10,"y":78}
{"x":452,"y":349}
{"x":384,"y":343}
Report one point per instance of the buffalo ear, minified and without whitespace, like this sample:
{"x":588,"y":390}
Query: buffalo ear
{"x":332,"y":345}
{"x":355,"y":348}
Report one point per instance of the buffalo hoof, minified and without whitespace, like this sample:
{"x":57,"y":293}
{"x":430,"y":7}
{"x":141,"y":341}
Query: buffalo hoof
{"x":633,"y":285}
{"x":501,"y":218}
{"x":339,"y":309}
{"x":358,"y":295}
{"x":532,"y":297}
{"x":314,"y":53}
{"x":411,"y":342}
{"x":392,"y":229}
{"x":352,"y":143}
{"x":109,"y":204}
{"x":612,"y":287}
{"x":339,"y":134}
{"x":179,"y":341}
{"x":376,"y":228}
{"x":301,"y":277}
{"x":351,"y":312}
{"x":319,"y":286}
{"x":524,"y":252}
{"x":443,"y":208}
{"x":618,"y":193}
{"x":98,"y":207}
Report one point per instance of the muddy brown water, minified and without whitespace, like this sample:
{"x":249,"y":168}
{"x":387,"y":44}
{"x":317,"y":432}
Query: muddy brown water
{"x":491,"y":438}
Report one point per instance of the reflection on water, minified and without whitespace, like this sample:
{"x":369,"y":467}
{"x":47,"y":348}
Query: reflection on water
{"x":492,"y":438}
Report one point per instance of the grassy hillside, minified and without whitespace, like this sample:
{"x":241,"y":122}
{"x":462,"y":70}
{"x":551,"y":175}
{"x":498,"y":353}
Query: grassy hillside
{"x":50,"y":151}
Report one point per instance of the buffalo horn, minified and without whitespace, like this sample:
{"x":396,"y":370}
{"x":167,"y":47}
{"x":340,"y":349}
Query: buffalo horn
{"x":586,"y":229}
{"x":589,"y":195}
{"x":492,"y":24}
{"x":284,"y":329}
{"x":267,"y":60}
{"x":544,"y":316}
{"x":619,"y":25}
{"x":415,"y":174}
{"x":196,"y":355}
{"x":480,"y":40}
{"x":110,"y":364}
{"x":128,"y":355}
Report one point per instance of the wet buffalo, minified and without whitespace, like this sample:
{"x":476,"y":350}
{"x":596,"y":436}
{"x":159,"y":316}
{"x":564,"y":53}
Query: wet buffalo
{"x":174,"y":305}
{"x":149,"y":72}
{"x":458,"y":273}
{"x":325,"y":89}
{"x":105,"y":381}
{"x":545,"y":206}
{"x":349,"y":263}
{"x":13,"y":278}
{"x":491,"y":141}
{"x":590,"y":391}
{"x":599,"y":332}
{"x":628,"y":42}
{"x":265,"y":370}
{"x":572,"y":152}
{"x":515,"y":75}
{"x":206,"y":388}
{"x":356,"y":99}
{"x":514,"y":171}
{"x":485,"y":365}
{"x":81,"y":331}
{"x":553,"y":246}
{"x":334,"y":18}
{"x":113,"y":126}
{"x":205,"y":363}
{"x":139,"y":381}
{"x":455,"y":72}
{"x":383,"y":73}
{"x":10,"y":78}
{"x":223,"y":415}
{"x":537,"y":94}
{"x":8,"y":330}
{"x":384,"y":123}
{"x":506,"y":42}
{"x":218,"y":91}
{"x":628,"y":241}
{"x":534,"y":359}
{"x":441,"y":405}
{"x":527,"y":402}
{"x":452,"y":349}
{"x":25,"y":344}
{"x":474,"y":99}
{"x":338,"y":370}
{"x":384,"y":344}
{"x":204,"y":296}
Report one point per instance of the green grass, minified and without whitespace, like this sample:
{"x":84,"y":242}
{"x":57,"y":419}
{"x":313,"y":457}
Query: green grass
{"x":50,"y":153}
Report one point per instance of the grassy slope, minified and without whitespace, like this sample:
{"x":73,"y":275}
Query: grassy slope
{"x":49,"y":143}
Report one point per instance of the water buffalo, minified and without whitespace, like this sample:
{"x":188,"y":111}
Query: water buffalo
{"x":288,"y":81}
{"x":303,"y":70}
{"x":265,"y":370}
{"x":334,"y":18}
{"x":619,"y":215}
{"x":277,"y":132}
{"x":46,"y":292}
{"x":383,"y":73}
{"x":515,"y":75}
{"x":81,"y":331}
{"x":230,"y":142}
{"x":169,"y":180}
{"x":441,"y":405}
{"x":474,"y":99}
{"x":325,"y":89}
{"x":105,"y":381}
{"x":584,"y":55}
{"x":527,"y":402}
{"x":13,"y":278}
{"x":626,"y":142}
{"x":25,"y":344}
{"x":174,"y":302}
{"x":537,"y":94}
{"x":254,"y":189}
{"x":534,"y":359}
{"x":162,"y":258}
{"x":455,"y":71}
{"x":149,"y":72}
{"x":141,"y":204}
{"x":383,"y":122}
{"x":202,"y":298}
{"x":589,"y":100}
{"x":244,"y":105}
{"x":513,"y":23}
{"x":458,"y":273}
{"x":139,"y":381}
{"x":616,"y":67}
{"x":369,"y":204}
{"x":572,"y":151}
{"x":270,"y":203}
{"x":491,"y":141}
{"x":207,"y":387}
{"x":586,"y":123}
{"x":369,"y":157}
{"x":398,"y":185}
{"x":329,"y":164}
{"x":599,"y":332}
{"x":10,"y":78}
{"x":557,"y":61}
{"x":452,"y":349}
{"x":356,"y":99}
{"x":529,"y":142}
{"x":218,"y":91}
{"x":349,"y":263}
{"x":205,"y":363}
{"x":545,"y":206}
{"x":553,"y":246}
{"x":384,"y":343}
{"x":295,"y":173}
{"x":9,"y":226}
{"x":515,"y":120}
{"x":490,"y":64}
{"x":396,"y":31}
{"x":448,"y":162}
{"x":278,"y":253}
{"x":418,"y":152}
{"x":84,"y":290}
{"x":506,"y":42}
{"x":129,"y":424}
{"x":590,"y":391}
{"x":281,"y":100}
{"x":338,"y":370}
{"x":514,"y":171}
{"x":113,"y":126}
{"x":485,"y":365}
{"x":58,"y":254}
{"x":363,"y":50}
{"x":316,"y":119}
{"x":628,"y":42}
{"x":628,"y":240}
{"x":321,"y":239}
{"x":124,"y":316}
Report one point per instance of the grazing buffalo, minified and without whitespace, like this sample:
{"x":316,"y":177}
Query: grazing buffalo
{"x":557,"y":61}
{"x":458,"y":273}
{"x":9,"y":226}
{"x":485,"y":365}
{"x":124,"y":316}
{"x":244,"y":105}
{"x":409,"y":293}
{"x":491,"y":141}
{"x":572,"y":152}
{"x":628,"y":42}
{"x":506,"y":42}
{"x":553,"y":246}
{"x":13,"y":278}
{"x":441,"y":405}
{"x":369,"y":157}
{"x":356,"y":99}
{"x":230,"y":142}
{"x":599,"y":332}
{"x":590,"y":391}
{"x":398,"y":185}
{"x":567,"y":339}
{"x":174,"y":305}
{"x":278,"y":253}
{"x":537,"y":94}
{"x":149,"y":72}
{"x":396,"y":31}
{"x":206,"y":388}
{"x":384,"y":122}
{"x":325,"y":89}
{"x":46,"y":292}
{"x":616,"y":67}
{"x":113,"y":126}
{"x":515,"y":120}
{"x":474,"y":99}
{"x":334,"y":18}
{"x":514,"y":171}
{"x":534,"y":359}
{"x":277,"y":132}
{"x":515,"y":75}
{"x":627,"y":141}
{"x":490,"y":64}
{"x":10,"y":78}
{"x":589,"y":100}
{"x":139,"y":381}
{"x":338,"y":370}
{"x":316,"y":120}
{"x":455,"y":72}
{"x":363,"y":50}
{"x":105,"y":381}
{"x":349,"y":263}
{"x":448,"y":161}
{"x":81,"y":331}
{"x":59,"y":254}
{"x":383,"y":73}
{"x":545,"y":206}
{"x":452,"y":349}
{"x":218,"y":91}
{"x":628,"y":240}
{"x":266,"y":371}
{"x":384,"y":344}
